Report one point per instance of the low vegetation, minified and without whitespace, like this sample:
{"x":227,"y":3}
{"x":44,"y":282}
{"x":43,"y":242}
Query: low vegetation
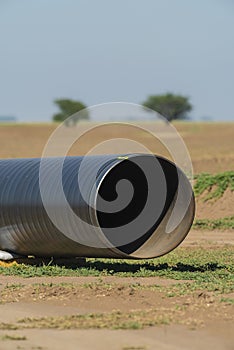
{"x":112,"y":320}
{"x":214,"y":185}
{"x":204,"y":265}
{"x":215,"y":224}
{"x":12,"y":337}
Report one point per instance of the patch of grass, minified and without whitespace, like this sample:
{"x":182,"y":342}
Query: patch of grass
{"x":215,"y":184}
{"x":213,"y":267}
{"x":112,"y":320}
{"x":12,"y":337}
{"x":220,"y":224}
{"x":14,"y":286}
{"x":227,"y":300}
{"x":218,"y":284}
{"x":8,"y":326}
{"x":180,"y":288}
{"x":209,"y":269}
{"x":25,"y":270}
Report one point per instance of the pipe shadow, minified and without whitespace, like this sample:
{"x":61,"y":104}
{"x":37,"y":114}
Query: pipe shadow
{"x":112,"y":266}
{"x":117,"y":267}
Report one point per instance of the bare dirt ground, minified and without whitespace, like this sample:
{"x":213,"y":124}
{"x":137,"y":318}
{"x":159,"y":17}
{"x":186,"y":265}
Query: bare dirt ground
{"x":215,"y":209}
{"x":197,"y":321}
{"x":210,"y":144}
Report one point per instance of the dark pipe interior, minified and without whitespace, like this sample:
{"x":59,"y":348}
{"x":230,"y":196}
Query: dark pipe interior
{"x":132,"y":172}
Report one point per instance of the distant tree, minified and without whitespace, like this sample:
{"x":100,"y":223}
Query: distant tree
{"x":169,"y":105}
{"x":69,"y":107}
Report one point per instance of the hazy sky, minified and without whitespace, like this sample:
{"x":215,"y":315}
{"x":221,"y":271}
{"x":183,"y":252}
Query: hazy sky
{"x":105,"y":50}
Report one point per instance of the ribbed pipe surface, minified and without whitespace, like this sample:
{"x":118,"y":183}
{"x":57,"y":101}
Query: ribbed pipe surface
{"x":122,"y":206}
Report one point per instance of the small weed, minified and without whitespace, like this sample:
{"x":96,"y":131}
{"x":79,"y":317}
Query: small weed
{"x":8,"y":326}
{"x":13,"y":337}
{"x":213,"y":268}
{"x":227,"y":300}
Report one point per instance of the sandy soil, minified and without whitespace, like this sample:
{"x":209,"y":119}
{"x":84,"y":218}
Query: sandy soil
{"x":203,"y":238}
{"x":215,"y":209}
{"x":161,"y":338}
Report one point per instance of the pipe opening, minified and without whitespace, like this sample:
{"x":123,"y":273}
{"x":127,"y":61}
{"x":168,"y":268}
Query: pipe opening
{"x":160,"y":189}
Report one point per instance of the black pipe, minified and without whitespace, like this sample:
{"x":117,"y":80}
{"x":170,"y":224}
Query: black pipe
{"x":34,"y":219}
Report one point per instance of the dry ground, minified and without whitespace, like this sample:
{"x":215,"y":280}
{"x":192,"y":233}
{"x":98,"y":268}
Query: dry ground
{"x":210,"y":144}
{"x":196,"y":320}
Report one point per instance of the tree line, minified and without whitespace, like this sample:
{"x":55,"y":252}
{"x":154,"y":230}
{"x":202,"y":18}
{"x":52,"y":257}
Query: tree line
{"x":170,"y":106}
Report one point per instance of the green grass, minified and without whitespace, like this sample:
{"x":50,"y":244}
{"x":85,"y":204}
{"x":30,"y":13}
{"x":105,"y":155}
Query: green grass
{"x":227,"y":300}
{"x":112,"y":320}
{"x":214,"y":187}
{"x":212,"y":224}
{"x":210,"y":268}
{"x":215,"y":184}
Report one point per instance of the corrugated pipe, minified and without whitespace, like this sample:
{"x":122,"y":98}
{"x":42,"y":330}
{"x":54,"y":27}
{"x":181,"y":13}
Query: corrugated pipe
{"x":119,"y":206}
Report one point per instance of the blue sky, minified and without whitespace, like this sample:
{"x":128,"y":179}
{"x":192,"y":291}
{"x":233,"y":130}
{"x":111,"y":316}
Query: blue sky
{"x":106,"y":50}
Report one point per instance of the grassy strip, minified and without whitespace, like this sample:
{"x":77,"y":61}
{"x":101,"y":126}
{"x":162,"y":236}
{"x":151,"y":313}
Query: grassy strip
{"x":112,"y":320}
{"x":227,"y":300}
{"x":178,"y":312}
{"x":215,"y":184}
{"x":214,"y":267}
{"x":12,"y":337}
{"x":134,"y":319}
{"x":211,"y":224}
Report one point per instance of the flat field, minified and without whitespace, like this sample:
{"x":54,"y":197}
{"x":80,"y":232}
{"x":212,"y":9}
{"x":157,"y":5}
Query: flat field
{"x":210,"y":145}
{"x":183,"y":300}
